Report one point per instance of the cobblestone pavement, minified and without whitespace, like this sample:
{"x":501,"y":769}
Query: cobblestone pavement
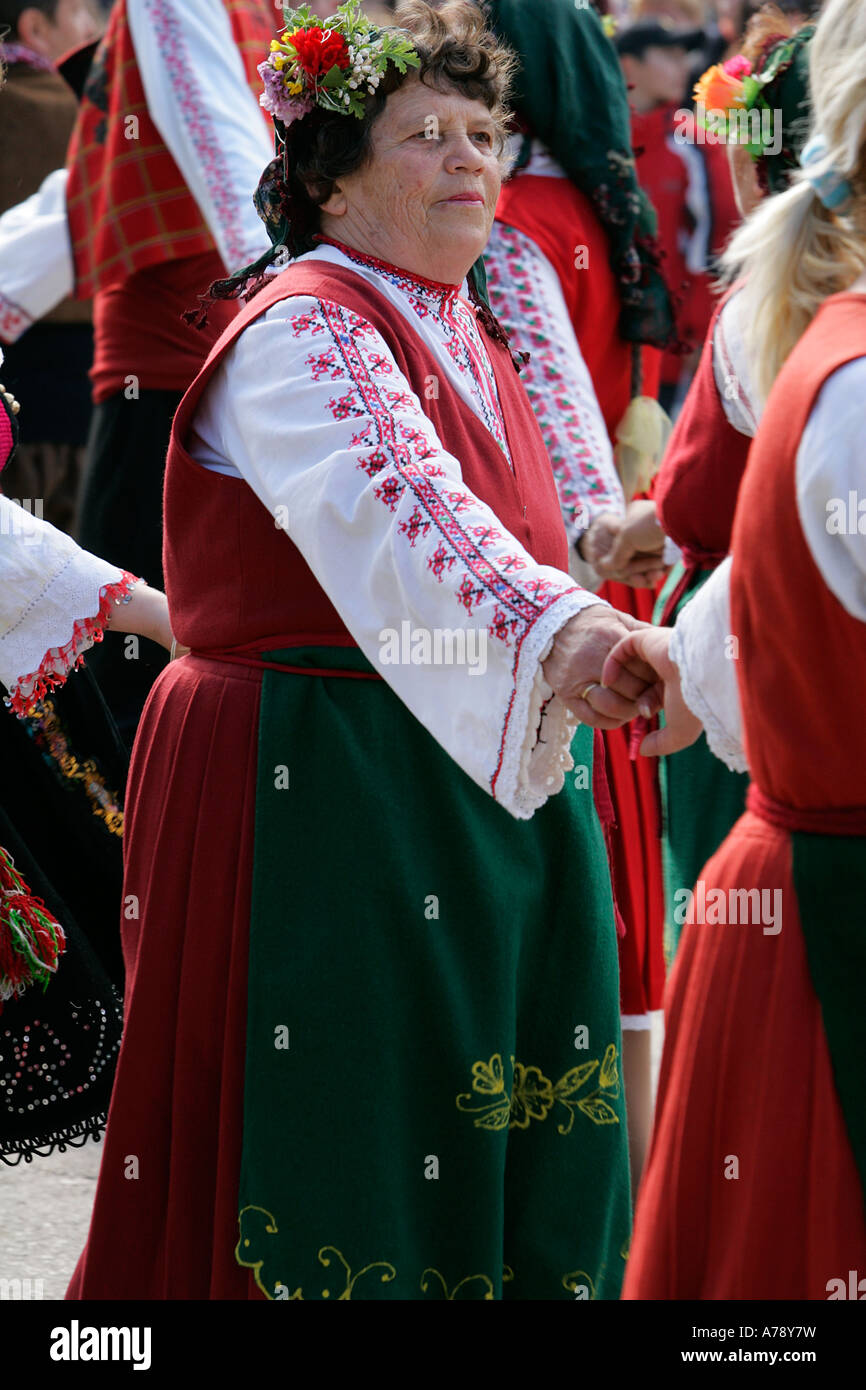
{"x":45,"y":1212}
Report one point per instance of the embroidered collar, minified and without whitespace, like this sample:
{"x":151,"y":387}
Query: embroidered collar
{"x":406,"y":279}
{"x":15,"y":52}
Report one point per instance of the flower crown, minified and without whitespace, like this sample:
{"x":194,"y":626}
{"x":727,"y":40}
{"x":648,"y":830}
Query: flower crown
{"x":333,"y":64}
{"x":728,"y":89}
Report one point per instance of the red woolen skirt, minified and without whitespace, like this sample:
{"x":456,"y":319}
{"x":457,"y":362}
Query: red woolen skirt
{"x":178,"y":1096}
{"x":635,"y":847}
{"x":746,"y":1076}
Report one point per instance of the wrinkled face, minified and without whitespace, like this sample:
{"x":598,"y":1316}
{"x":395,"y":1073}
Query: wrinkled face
{"x":425,"y":198}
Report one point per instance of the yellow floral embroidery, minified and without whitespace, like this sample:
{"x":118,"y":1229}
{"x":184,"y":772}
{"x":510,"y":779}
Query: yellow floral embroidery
{"x":256,"y":1224}
{"x":486,"y":1282}
{"x":533,"y":1095}
{"x":579,"y":1279}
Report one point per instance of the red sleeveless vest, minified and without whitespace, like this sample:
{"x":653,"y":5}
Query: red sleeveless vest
{"x":802,"y":656}
{"x":234,"y":579}
{"x":699,"y":480}
{"x":127,"y":202}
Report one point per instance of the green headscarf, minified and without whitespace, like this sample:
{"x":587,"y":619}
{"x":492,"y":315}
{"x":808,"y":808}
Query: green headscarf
{"x":787,"y":92}
{"x":571,"y":92}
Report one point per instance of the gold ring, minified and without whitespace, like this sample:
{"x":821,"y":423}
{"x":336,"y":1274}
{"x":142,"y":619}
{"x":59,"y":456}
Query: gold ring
{"x":584,"y":693}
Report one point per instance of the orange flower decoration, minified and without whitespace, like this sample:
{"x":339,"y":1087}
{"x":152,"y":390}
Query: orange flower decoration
{"x":719,"y":90}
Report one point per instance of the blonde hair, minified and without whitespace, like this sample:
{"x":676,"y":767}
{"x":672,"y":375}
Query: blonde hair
{"x":791,"y":250}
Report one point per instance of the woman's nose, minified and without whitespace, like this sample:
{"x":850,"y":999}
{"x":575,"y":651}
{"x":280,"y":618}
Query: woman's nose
{"x":462,"y":153}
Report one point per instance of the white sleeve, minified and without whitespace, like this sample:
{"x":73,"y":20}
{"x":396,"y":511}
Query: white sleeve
{"x":526,"y":295}
{"x":731,"y":369}
{"x":831,"y":467}
{"x":55,"y":601}
{"x":311,"y":408}
{"x":201,"y":104}
{"x":36,"y":267}
{"x":705,"y":653}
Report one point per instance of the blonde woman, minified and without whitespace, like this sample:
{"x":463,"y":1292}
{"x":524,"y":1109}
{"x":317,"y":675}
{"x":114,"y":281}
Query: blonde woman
{"x":754,"y":1185}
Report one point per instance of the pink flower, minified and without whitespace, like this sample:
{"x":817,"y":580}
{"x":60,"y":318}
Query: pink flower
{"x":276,"y":99}
{"x":738,"y":67}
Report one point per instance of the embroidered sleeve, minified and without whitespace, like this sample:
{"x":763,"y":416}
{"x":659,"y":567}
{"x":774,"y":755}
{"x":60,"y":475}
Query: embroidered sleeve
{"x":312,"y":409}
{"x":526,"y":295}
{"x":55,"y":602}
{"x":201,"y":104}
{"x":702,"y":648}
{"x":36,"y":270}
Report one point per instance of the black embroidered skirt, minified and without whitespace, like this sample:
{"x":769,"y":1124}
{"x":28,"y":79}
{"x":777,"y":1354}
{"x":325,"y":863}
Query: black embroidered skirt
{"x":62,"y":780}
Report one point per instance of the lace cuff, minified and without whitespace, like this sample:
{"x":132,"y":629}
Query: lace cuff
{"x":60,"y":660}
{"x":704,"y":650}
{"x":534,"y":770}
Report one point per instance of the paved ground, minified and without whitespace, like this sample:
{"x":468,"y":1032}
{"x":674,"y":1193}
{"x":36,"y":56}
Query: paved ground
{"x":45,"y":1212}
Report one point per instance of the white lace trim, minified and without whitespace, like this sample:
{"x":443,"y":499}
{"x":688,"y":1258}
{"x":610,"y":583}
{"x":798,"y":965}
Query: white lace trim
{"x":532,"y":771}
{"x":47,"y":585}
{"x":724,"y":743}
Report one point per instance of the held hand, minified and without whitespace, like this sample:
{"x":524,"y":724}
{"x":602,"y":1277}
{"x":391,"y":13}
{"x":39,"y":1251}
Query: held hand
{"x":627,"y":548}
{"x":645,"y":648}
{"x":574,"y":670}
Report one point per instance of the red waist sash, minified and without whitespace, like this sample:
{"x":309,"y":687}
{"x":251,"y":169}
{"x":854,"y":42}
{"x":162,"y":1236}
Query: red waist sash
{"x":847,"y":820}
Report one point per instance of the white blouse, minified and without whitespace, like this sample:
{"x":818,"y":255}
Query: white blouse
{"x":830,"y":467}
{"x":311,"y":409}
{"x":200,"y":102}
{"x":55,"y":602}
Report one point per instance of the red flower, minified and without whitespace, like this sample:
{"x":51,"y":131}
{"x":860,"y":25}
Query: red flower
{"x":318,"y":50}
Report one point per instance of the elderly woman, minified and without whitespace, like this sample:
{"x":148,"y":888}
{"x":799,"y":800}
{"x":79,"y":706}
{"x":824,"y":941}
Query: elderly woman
{"x":755,"y":1186}
{"x":372,"y":1039}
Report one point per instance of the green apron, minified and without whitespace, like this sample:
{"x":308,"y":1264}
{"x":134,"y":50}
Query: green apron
{"x":433,"y":1100}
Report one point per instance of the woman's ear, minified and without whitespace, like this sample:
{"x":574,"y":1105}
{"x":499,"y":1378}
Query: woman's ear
{"x":336,"y":204}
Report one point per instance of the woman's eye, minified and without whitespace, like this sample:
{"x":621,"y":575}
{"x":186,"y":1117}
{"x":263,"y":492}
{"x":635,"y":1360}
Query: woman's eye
{"x":484,"y":136}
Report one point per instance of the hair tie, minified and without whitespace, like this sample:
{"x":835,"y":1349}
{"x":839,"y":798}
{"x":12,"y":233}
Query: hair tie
{"x":830,"y":187}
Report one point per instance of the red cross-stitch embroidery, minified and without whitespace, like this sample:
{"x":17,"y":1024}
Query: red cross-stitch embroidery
{"x":344,"y":406}
{"x":325,"y":363}
{"x":414,"y":527}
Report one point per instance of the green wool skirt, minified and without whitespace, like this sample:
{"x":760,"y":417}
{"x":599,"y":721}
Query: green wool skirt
{"x":701,"y":800}
{"x":433,"y":1102}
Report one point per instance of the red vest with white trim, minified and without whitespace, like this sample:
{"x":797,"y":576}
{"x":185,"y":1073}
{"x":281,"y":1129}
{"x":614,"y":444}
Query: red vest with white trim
{"x":801,"y":663}
{"x":233,"y":578}
{"x":127,"y":202}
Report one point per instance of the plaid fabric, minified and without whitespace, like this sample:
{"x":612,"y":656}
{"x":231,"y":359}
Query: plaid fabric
{"x":127,"y":201}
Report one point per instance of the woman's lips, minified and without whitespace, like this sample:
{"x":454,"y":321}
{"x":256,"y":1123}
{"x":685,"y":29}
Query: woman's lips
{"x":465,"y":198}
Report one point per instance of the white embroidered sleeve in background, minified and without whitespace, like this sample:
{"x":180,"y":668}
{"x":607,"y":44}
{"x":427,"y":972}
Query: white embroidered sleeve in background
{"x":200,"y":101}
{"x":36,"y":269}
{"x":703,"y":650}
{"x":55,"y":602}
{"x":311,"y":408}
{"x":526,"y":296}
